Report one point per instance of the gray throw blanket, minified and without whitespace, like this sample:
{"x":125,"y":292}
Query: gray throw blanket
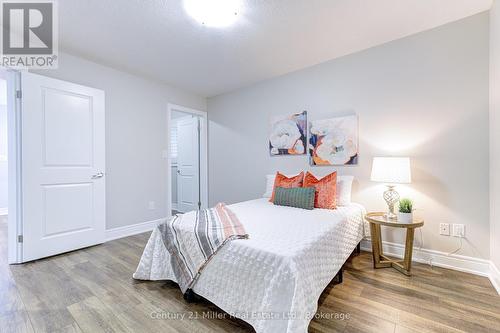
{"x":192,"y":239}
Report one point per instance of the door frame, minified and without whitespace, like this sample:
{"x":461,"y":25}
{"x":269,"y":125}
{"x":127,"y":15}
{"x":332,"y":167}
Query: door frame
{"x":203,"y":153}
{"x":14,"y":220}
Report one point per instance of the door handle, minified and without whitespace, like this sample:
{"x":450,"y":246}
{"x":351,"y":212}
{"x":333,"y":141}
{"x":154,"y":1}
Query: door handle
{"x":97,"y":175}
{"x":179,"y":172}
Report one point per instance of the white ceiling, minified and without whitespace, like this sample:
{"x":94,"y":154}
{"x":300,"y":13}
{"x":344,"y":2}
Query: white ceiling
{"x":157,"y":39}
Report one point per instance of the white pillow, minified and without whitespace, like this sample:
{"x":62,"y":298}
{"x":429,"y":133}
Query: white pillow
{"x":269,"y":186}
{"x":344,"y":188}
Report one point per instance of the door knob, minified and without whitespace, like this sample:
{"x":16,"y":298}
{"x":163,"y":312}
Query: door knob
{"x":98,"y":175}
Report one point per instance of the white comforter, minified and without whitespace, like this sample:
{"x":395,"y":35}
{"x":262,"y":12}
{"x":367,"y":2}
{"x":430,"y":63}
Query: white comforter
{"x":274,"y":279}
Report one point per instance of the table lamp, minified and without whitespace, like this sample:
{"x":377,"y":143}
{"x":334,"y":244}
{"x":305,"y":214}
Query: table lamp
{"x":391,"y":171}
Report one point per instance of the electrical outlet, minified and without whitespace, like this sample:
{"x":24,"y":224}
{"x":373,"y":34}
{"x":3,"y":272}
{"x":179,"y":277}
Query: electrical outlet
{"x":152,"y":205}
{"x":444,"y":229}
{"x":459,"y":230}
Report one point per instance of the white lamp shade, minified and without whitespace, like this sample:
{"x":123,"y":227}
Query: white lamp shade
{"x":391,"y":170}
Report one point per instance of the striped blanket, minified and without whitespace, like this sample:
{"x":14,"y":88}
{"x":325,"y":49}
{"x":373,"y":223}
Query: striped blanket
{"x":192,"y":239}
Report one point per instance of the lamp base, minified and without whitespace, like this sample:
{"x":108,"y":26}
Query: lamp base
{"x":391,"y":197}
{"x":390,"y":216}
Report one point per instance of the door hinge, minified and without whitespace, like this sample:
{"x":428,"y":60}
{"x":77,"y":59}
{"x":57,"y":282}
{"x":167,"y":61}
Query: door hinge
{"x":19,"y":94}
{"x":20,"y":238}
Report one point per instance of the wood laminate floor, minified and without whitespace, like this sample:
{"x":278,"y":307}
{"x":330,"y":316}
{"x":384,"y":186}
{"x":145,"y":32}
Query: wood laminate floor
{"x":91,"y":290}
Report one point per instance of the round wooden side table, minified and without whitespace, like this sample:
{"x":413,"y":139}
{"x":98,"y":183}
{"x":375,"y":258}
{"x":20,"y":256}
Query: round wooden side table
{"x":378,"y":219}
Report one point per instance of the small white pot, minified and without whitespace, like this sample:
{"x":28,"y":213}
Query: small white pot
{"x":405,"y":217}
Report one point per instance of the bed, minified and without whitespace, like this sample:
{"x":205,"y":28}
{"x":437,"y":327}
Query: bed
{"x":272,"y":280}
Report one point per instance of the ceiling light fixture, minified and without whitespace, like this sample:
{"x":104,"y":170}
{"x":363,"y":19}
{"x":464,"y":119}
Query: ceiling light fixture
{"x":213,"y":13}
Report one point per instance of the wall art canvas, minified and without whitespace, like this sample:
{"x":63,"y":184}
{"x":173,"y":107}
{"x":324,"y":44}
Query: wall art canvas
{"x":334,"y":141}
{"x":288,"y":134}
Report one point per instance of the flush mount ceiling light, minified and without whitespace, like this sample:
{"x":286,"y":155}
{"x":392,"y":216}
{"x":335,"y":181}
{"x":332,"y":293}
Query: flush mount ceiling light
{"x":213,"y":13}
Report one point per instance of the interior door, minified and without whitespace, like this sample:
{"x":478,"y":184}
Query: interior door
{"x":188,"y":164}
{"x":63,"y":189}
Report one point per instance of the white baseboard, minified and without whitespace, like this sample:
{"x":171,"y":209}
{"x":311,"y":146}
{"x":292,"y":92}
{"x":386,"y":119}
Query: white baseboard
{"x":456,"y":262}
{"x":130,"y":230}
{"x":495,"y":276}
{"x":4,"y":211}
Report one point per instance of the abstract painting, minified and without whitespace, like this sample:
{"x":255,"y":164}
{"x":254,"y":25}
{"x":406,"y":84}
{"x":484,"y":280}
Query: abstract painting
{"x":334,"y":141}
{"x":288,"y":134}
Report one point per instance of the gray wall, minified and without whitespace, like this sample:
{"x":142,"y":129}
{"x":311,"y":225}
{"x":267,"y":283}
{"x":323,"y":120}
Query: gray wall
{"x":3,"y":152}
{"x":136,"y":135}
{"x":495,"y":132}
{"x":424,"y":96}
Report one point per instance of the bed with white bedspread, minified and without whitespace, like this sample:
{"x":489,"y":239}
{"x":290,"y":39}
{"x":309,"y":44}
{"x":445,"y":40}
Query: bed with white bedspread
{"x":272,"y":280}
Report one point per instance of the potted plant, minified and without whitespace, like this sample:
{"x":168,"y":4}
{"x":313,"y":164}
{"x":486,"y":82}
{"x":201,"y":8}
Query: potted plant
{"x":405,"y":211}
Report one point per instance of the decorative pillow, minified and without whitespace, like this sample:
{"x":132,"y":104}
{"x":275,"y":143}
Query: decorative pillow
{"x":344,"y":190}
{"x":326,"y":189}
{"x":298,"y":197}
{"x":270,"y":185}
{"x":286,"y":182}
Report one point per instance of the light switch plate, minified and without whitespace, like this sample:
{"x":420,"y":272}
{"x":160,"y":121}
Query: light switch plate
{"x":444,"y":229}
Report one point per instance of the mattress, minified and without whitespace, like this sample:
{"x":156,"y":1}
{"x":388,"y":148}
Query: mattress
{"x":272,"y":280}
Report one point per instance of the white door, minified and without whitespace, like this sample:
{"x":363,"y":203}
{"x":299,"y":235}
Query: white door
{"x":63,"y":189}
{"x":188,"y":164}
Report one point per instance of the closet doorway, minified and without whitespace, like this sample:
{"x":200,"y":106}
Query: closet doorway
{"x":188,"y":159}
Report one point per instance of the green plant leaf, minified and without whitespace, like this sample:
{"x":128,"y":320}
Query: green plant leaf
{"x":405,"y":205}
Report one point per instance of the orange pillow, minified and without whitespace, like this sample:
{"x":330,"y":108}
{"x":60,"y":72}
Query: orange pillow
{"x":326,"y":190}
{"x":284,"y":181}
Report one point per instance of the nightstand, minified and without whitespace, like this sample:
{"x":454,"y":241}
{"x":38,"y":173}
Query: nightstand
{"x":379,"y":259}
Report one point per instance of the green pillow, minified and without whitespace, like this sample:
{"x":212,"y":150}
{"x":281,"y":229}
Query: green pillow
{"x":298,"y":197}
